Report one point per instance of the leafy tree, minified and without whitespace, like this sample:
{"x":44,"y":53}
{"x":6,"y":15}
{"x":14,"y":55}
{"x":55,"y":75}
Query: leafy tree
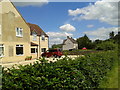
{"x":56,"y":46}
{"x":84,"y":42}
{"x":117,"y":38}
{"x":111,"y":35}
{"x":106,"y":46}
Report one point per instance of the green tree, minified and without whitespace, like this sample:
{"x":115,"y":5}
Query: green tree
{"x":85,"y":42}
{"x":111,"y":35}
{"x":108,"y":45}
{"x":56,"y":46}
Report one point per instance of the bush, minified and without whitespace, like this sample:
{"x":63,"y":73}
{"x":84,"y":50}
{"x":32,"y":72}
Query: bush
{"x":66,"y":73}
{"x":106,"y":46}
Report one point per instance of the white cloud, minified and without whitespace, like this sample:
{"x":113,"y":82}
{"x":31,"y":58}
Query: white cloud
{"x":90,"y":26}
{"x":24,"y":3}
{"x":57,"y":37}
{"x":101,"y":33}
{"x":59,"y":34}
{"x":104,"y":11}
{"x":67,"y":28}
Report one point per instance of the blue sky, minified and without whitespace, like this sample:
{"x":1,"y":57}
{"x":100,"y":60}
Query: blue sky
{"x":61,"y":19}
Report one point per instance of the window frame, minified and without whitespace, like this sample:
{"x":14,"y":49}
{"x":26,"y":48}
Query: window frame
{"x":18,"y":32}
{"x":34,"y":34}
{"x":3,"y":49}
{"x":44,"y":49}
{"x":36,"y":50}
{"x":20,"y":45}
{"x":43,"y":36}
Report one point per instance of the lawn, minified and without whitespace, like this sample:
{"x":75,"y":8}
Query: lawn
{"x":111,"y":81}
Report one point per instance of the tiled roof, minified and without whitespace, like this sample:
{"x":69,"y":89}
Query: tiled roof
{"x":37,"y":29}
{"x":34,"y":44}
{"x":71,"y":39}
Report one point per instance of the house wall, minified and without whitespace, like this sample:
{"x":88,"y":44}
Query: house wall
{"x":0,"y":21}
{"x":10,"y":20}
{"x":34,"y":55}
{"x":43,"y":44}
{"x":68,"y":45}
{"x":75,"y":46}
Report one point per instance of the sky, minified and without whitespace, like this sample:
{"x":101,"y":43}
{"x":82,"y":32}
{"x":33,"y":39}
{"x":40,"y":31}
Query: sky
{"x":74,"y":19}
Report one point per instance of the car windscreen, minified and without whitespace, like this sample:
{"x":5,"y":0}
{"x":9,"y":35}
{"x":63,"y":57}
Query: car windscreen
{"x":52,"y":50}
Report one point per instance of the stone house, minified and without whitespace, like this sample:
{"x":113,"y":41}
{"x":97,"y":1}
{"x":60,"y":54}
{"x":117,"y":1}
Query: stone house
{"x":69,"y":44}
{"x":16,"y":36}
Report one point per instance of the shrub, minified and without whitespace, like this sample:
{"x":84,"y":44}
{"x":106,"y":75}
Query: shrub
{"x":66,"y":73}
{"x":106,"y":46}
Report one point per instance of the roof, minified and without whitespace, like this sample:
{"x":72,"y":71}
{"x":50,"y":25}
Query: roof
{"x":71,"y":39}
{"x":33,"y":44}
{"x":37,"y":29}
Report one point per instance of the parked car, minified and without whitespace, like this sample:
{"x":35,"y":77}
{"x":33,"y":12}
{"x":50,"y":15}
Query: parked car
{"x":52,"y":52}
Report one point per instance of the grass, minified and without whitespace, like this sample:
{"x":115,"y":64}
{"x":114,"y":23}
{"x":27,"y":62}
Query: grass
{"x":111,"y":80}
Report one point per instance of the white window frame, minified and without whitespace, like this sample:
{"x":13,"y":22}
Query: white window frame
{"x":2,"y":46}
{"x":34,"y":36}
{"x":18,"y":32}
{"x":36,"y":50}
{"x":43,"y":36}
{"x":18,"y":45}
{"x":44,"y":49}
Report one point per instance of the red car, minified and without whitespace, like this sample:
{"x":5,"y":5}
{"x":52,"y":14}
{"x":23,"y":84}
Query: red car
{"x":53,"y":52}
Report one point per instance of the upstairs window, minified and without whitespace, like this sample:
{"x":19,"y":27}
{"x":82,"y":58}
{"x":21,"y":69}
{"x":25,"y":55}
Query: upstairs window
{"x":19,"y":32}
{"x":1,"y":50}
{"x":19,"y":49}
{"x":43,"y":37}
{"x":34,"y":36}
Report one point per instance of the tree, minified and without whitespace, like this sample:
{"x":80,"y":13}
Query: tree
{"x":111,"y":35}
{"x":84,"y":42}
{"x":56,"y":46}
{"x":108,"y":45}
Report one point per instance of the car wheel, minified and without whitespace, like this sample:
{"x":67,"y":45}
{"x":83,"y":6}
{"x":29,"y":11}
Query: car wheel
{"x":55,"y":56}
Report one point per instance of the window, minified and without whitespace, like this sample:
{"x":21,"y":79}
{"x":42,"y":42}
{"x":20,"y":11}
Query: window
{"x":19,"y":49}
{"x":34,"y":50}
{"x":19,"y":32}
{"x":34,"y":36}
{"x":43,"y":49}
{"x":1,"y":50}
{"x":43,"y":37}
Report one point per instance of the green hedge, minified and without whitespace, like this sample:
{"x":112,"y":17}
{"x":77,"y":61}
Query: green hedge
{"x":82,"y":72}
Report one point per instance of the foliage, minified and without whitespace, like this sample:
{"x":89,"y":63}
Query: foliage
{"x":56,"y":46}
{"x":106,"y":46}
{"x":111,"y":35}
{"x":66,"y":73}
{"x":28,"y":58}
{"x":84,"y":42}
{"x":79,"y":52}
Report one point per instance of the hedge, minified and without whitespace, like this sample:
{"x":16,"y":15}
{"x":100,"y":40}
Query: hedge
{"x":66,"y":73}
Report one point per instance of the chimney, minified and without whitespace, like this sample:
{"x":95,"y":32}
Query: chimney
{"x":67,"y":36}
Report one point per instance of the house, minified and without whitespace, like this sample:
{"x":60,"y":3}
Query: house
{"x":19,"y":39}
{"x":39,"y":40}
{"x":69,"y":44}
{"x":14,"y":34}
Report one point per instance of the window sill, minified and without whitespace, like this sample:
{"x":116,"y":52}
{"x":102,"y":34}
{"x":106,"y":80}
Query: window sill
{"x":2,"y":56}
{"x":19,"y":36}
{"x":33,"y":53}
{"x":20,"y":55}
